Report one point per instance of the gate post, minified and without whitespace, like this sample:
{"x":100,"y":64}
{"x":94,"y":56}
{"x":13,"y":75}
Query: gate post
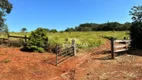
{"x":25,"y":41}
{"x":56,"y":51}
{"x":74,"y":47}
{"x":8,"y":39}
{"x":112,"y":48}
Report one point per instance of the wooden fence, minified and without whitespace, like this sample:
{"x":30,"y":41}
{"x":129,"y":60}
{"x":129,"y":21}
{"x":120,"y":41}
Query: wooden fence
{"x":119,"y":46}
{"x":14,"y":43}
{"x":62,"y":55}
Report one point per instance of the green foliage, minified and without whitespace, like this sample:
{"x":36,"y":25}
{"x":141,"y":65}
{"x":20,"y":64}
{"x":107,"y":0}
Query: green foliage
{"x":84,"y":40}
{"x":5,"y":8}
{"x":53,"y":30}
{"x":110,"y":26}
{"x":136,"y":35}
{"x":69,"y":29}
{"x":37,"y":40}
{"x":6,"y":61}
{"x":136,"y":13}
{"x":37,"y":49}
{"x":136,"y":28}
{"x":61,"y":31}
{"x":23,"y":29}
{"x":6,"y":30}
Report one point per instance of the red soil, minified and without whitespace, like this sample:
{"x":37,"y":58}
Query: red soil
{"x":92,"y":65}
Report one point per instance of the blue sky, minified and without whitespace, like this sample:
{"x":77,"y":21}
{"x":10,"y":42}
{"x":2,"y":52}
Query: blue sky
{"x":60,"y":14}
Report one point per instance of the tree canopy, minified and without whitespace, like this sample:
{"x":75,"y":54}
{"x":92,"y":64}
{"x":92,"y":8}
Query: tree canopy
{"x":136,"y":28}
{"x":109,"y":26}
{"x":5,"y":8}
{"x":136,"y":13}
{"x":23,"y":29}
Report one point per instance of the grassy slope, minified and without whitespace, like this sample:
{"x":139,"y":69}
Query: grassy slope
{"x":83,"y":39}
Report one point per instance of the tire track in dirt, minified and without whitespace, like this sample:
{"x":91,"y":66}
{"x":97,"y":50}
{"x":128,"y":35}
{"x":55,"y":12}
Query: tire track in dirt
{"x":100,"y":67}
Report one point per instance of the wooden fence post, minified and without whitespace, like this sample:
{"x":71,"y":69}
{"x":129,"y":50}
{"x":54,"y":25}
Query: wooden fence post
{"x":57,"y":50}
{"x":112,"y":48}
{"x":8,"y":40}
{"x":74,"y":47}
{"x":25,"y":39}
{"x":2,"y":40}
{"x":127,"y":44}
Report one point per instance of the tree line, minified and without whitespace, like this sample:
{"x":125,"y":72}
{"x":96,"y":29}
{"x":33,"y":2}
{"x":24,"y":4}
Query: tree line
{"x":109,"y":26}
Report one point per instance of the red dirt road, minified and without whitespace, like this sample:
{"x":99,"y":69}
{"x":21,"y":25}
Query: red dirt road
{"x":17,"y":65}
{"x":95,"y":65}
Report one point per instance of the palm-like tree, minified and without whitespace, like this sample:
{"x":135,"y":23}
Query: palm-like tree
{"x":23,"y":30}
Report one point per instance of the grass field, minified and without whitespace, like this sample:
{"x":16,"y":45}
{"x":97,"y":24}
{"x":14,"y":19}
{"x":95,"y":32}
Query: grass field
{"x":83,"y":39}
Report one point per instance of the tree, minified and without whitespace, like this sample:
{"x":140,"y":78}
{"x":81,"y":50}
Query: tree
{"x":53,"y":30}
{"x":127,"y":26}
{"x":136,"y":28}
{"x":23,"y":29}
{"x":6,"y":30}
{"x":136,"y":35}
{"x":136,"y":13}
{"x":70,"y":29}
{"x":5,"y":8}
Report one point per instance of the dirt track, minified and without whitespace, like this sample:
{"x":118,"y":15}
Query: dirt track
{"x":95,"y":65}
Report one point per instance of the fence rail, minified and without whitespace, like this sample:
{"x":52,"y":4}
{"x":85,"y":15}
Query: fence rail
{"x":15,"y":43}
{"x":62,"y":55}
{"x":119,"y":46}
{"x":24,"y":37}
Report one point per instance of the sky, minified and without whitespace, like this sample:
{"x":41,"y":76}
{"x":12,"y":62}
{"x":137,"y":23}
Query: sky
{"x":62,"y":14}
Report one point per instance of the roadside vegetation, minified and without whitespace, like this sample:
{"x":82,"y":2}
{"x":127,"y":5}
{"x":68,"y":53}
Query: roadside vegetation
{"x":83,"y":39}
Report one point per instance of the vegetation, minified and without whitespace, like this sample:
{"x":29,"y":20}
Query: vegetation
{"x":37,"y":40}
{"x":83,"y":39}
{"x":23,"y":29}
{"x":6,"y":60}
{"x":5,"y":8}
{"x":110,"y":26}
{"x":53,"y":30}
{"x":136,"y":29}
{"x":136,"y":13}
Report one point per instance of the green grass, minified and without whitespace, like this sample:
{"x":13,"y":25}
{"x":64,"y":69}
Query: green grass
{"x":6,"y":61}
{"x":83,"y":39}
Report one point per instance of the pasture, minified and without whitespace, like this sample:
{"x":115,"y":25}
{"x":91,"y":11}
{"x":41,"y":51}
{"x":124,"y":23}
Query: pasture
{"x":84,"y":40}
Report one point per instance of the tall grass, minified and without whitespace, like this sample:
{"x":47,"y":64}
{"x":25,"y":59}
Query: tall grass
{"x":86,"y":39}
{"x":83,"y":39}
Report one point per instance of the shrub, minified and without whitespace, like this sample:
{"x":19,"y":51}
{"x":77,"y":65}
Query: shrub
{"x":136,"y":35}
{"x":53,"y":30}
{"x":6,"y":61}
{"x":37,"y":40}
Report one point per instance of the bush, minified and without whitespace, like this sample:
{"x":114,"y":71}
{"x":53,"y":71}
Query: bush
{"x":37,"y":40}
{"x":53,"y":30}
{"x":6,"y":61}
{"x":136,"y":35}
